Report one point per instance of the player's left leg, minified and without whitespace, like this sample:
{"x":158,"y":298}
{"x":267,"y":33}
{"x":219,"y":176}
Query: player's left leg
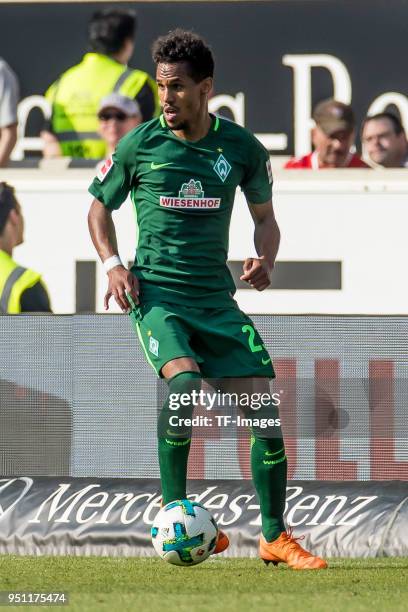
{"x":231,"y":347}
{"x":269,"y":473}
{"x":268,"y":458}
{"x":269,"y":465}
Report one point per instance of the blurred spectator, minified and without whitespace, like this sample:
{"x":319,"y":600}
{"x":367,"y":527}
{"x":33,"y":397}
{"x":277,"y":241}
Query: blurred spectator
{"x":76,"y":94}
{"x":384,"y":141}
{"x":8,"y":112}
{"x":36,"y":430}
{"x":117,"y":116}
{"x":21,"y":289}
{"x":333,"y":139}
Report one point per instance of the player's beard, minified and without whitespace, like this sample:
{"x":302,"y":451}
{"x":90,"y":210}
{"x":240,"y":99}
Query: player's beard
{"x":183,"y":125}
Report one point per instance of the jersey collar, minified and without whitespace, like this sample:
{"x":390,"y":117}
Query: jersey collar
{"x":214,"y":126}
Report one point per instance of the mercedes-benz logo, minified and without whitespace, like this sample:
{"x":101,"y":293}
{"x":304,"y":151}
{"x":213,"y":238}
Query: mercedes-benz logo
{"x":16,"y":489}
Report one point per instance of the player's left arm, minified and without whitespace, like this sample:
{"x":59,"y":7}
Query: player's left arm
{"x":258,"y":270}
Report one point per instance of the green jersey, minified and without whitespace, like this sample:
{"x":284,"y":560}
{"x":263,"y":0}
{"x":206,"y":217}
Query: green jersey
{"x":183,"y":193}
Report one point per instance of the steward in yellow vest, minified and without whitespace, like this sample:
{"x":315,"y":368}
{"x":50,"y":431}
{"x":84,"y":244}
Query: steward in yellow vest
{"x":21,"y":289}
{"x":75,"y":96}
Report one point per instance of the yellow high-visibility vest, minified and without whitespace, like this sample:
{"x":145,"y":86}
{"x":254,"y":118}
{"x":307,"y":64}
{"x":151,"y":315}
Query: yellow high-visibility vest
{"x":75,"y":99}
{"x":14,"y":280}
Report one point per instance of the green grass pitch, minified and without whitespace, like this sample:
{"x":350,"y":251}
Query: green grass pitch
{"x":122,"y":584}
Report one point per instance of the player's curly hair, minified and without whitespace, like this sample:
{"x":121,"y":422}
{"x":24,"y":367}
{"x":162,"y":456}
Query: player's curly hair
{"x":184,"y":46}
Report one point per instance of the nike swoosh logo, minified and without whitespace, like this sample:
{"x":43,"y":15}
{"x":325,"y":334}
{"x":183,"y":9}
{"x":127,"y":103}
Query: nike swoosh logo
{"x":158,"y":166}
{"x":268,"y":454}
{"x":184,"y":434}
{"x":266,"y":361}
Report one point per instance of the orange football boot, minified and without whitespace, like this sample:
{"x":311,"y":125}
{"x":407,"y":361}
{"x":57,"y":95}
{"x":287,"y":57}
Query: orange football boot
{"x":287,"y":550}
{"x":222,"y":543}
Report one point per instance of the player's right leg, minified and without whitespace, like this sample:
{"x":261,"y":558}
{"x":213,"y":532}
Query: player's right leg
{"x":174,"y":435}
{"x":183,"y":377}
{"x":165,"y":339}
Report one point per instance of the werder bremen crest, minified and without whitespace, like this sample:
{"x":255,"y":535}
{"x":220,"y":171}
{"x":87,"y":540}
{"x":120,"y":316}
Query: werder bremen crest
{"x":192,"y":189}
{"x":222,"y":168}
{"x":154,"y":346}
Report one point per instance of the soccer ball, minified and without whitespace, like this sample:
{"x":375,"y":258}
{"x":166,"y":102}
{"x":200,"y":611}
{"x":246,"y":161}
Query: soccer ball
{"x":184,"y":533}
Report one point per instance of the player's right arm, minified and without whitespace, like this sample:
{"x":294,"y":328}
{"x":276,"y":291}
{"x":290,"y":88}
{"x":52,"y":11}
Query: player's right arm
{"x":110,"y":189}
{"x":120,"y":280}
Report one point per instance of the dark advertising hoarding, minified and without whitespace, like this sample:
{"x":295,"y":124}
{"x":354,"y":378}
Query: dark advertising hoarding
{"x":274,"y":60}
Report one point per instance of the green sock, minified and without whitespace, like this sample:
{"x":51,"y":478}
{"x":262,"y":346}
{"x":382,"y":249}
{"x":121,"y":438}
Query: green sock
{"x":269,"y":473}
{"x":174,"y":441}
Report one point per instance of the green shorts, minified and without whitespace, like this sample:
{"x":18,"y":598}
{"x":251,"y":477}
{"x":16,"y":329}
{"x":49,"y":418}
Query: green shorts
{"x":223,"y":341}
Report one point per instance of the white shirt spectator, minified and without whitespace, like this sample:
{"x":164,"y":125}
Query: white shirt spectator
{"x":9,"y":93}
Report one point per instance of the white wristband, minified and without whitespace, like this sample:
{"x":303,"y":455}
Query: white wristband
{"x":112,"y":262}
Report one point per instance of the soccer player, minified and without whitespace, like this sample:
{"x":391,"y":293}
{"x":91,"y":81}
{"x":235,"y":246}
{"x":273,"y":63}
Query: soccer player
{"x":182,"y":170}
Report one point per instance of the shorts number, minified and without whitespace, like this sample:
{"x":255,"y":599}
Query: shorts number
{"x":251,"y":338}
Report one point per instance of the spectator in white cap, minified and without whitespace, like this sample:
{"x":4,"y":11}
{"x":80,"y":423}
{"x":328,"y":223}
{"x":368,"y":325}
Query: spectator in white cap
{"x":117,"y":116}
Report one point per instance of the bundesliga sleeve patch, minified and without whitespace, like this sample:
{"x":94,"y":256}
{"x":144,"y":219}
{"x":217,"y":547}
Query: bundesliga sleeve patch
{"x":105,"y":169}
{"x":269,"y":171}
